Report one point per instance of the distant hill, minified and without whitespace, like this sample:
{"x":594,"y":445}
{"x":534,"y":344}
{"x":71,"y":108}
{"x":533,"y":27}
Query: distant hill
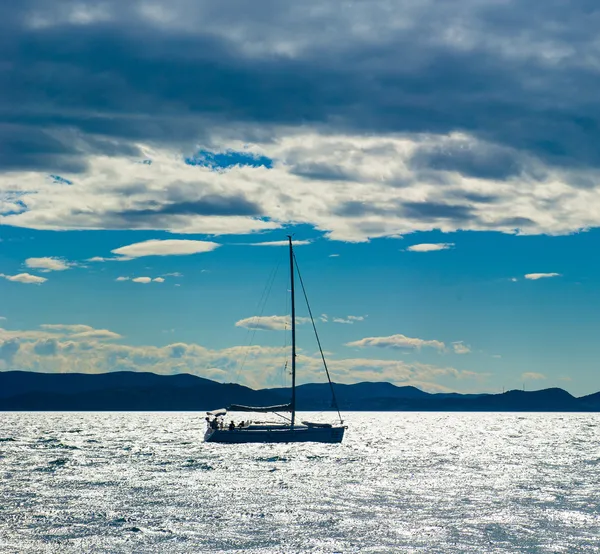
{"x":120,"y":391}
{"x":132,"y":391}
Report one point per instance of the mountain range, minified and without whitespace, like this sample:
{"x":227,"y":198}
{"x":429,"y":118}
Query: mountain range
{"x":133,"y":391}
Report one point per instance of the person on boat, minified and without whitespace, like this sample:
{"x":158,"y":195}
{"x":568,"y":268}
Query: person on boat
{"x":241,"y":424}
{"x":232,"y":426}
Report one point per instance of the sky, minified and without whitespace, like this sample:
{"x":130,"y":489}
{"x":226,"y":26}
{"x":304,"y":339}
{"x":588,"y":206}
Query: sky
{"x":435,"y":161}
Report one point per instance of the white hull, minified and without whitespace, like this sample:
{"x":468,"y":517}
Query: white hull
{"x":276,"y":434}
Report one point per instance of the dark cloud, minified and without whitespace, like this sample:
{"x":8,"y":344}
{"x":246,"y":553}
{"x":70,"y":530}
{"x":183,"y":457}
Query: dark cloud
{"x":474,"y":160}
{"x":429,"y":211}
{"x":127,"y":78}
{"x":515,"y":222}
{"x":474,"y":197}
{"x":208,"y":205}
{"x":8,"y":349}
{"x":178,"y":350}
{"x":48,"y":347}
{"x":322,"y":172}
{"x":360,"y":209}
{"x":425,"y":211}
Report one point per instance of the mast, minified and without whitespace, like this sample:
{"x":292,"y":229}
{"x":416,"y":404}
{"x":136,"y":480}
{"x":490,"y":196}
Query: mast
{"x":293,"y":331}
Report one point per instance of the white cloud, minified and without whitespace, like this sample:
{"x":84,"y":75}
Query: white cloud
{"x":334,"y":255}
{"x":425,"y":247}
{"x":270,"y":322}
{"x":174,"y":274}
{"x":2,"y":318}
{"x":67,"y":328}
{"x":279,"y":243}
{"x":144,"y":280}
{"x":98,"y":259}
{"x":460,"y":348}
{"x":536,"y":276}
{"x":60,"y":331}
{"x":532,"y":376}
{"x":349,"y":320}
{"x":367,"y":205}
{"x":96,"y":334}
{"x":397,"y":341}
{"x":25,"y":278}
{"x":48,"y":264}
{"x":170,"y":247}
{"x":96,"y":353}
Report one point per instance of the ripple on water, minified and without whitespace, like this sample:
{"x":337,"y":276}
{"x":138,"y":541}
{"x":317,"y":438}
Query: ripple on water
{"x":408,"y":482}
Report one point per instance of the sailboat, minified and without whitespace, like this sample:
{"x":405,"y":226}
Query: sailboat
{"x":289,"y":430}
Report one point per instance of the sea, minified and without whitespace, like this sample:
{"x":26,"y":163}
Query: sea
{"x":400,"y":482}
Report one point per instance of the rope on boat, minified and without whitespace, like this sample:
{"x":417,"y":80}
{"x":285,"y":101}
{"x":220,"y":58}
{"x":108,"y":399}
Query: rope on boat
{"x":263,"y":301}
{"x":312,"y":320}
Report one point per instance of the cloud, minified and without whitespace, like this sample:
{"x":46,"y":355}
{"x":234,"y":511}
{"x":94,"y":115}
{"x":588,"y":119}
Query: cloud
{"x":98,"y":259}
{"x":430,"y":247}
{"x":334,"y":255}
{"x":270,"y":322}
{"x":47,"y":347}
{"x":48,"y":264}
{"x":143,"y":280}
{"x":29,"y":350}
{"x":532,"y":376}
{"x":2,"y":318}
{"x":25,"y":278}
{"x":78,"y":331}
{"x":397,"y":341}
{"x":169,"y":247}
{"x":349,"y":320}
{"x":279,"y":243}
{"x":8,"y":349}
{"x":460,"y":348}
{"x":67,"y":328}
{"x":423,"y":153}
{"x":96,"y":334}
{"x":536,"y":276}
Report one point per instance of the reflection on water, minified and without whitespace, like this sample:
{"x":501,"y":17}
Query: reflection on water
{"x":403,"y":482}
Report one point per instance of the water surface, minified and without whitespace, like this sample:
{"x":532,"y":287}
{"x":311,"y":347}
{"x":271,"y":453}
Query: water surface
{"x":400,"y":482}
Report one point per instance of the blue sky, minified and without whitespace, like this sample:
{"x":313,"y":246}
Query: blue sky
{"x":437,"y":159}
{"x":464,"y":294}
